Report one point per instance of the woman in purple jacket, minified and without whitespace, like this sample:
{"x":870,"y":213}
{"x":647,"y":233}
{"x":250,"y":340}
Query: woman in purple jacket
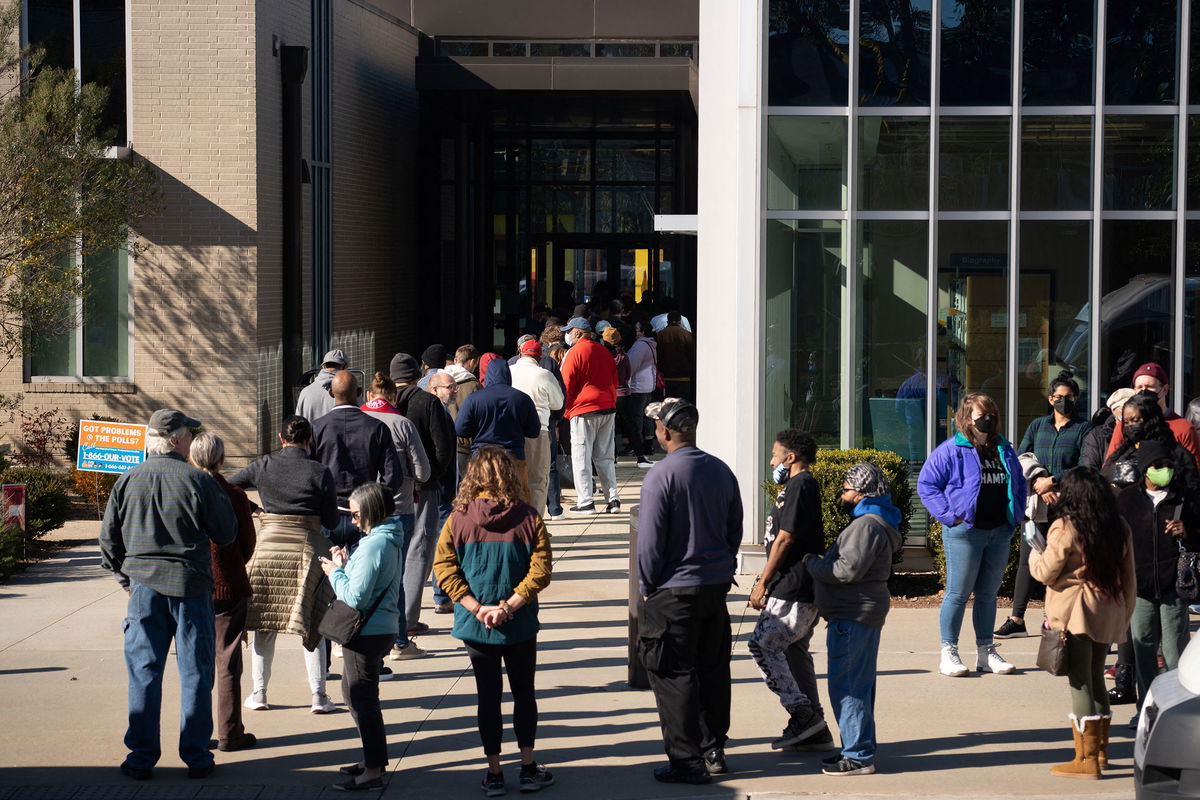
{"x":973,"y":485}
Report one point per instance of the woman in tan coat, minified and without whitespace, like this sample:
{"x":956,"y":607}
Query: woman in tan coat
{"x":1087,"y":567}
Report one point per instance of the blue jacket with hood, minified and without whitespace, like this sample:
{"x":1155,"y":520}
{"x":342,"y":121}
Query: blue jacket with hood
{"x":949,"y":481}
{"x":498,"y":414}
{"x":376,"y":566}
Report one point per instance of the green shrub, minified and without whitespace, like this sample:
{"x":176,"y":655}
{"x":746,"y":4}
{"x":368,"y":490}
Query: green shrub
{"x":12,"y":550}
{"x":47,"y":504}
{"x":830,"y":472}
{"x":71,"y":445}
{"x":94,"y":487}
{"x":938,"y":551}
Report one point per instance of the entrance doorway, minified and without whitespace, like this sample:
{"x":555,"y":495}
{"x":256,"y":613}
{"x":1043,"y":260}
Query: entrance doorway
{"x":565,"y":270}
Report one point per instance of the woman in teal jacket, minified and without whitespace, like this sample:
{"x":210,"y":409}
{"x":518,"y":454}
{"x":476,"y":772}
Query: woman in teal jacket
{"x":373,"y":573}
{"x":493,"y":557}
{"x":972,"y":483}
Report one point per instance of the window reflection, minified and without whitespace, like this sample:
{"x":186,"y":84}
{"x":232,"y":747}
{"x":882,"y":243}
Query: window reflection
{"x":803,"y":281}
{"x":808,"y":52}
{"x":972,"y":336}
{"x":559,"y":159}
{"x":806,"y":163}
{"x":624,"y":209}
{"x":1059,"y":37}
{"x":1136,"y":309}
{"x":973,"y":164}
{"x":1056,"y":163}
{"x":1053,"y":327}
{"x":1191,"y":311}
{"x":894,"y":53}
{"x":976,"y":52}
{"x":1139,"y":163}
{"x":893,"y":172}
{"x":1143,"y":47}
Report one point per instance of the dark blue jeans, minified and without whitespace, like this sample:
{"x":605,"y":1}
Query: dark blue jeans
{"x":853,"y":650}
{"x":444,"y":509}
{"x":346,"y":534}
{"x":554,"y":490}
{"x":151,"y":622}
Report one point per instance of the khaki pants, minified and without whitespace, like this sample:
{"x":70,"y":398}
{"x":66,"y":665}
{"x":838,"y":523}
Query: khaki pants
{"x":537,"y":462}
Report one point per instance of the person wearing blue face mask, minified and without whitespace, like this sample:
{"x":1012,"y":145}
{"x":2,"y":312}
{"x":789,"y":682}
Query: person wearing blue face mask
{"x":783,"y":594}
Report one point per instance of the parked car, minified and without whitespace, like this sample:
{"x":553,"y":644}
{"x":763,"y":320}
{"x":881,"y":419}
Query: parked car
{"x":1166,"y":752}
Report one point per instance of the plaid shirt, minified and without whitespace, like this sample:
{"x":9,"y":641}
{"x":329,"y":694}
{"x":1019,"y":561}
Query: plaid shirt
{"x":160,"y":517}
{"x":1057,"y":450}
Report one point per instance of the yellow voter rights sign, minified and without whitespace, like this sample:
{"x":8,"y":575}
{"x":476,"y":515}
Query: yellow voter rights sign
{"x":112,"y":447}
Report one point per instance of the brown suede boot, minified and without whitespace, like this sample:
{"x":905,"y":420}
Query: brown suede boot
{"x":1102,"y":755}
{"x":1087,"y":745}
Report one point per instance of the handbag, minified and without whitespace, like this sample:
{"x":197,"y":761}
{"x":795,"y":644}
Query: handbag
{"x":660,"y":383}
{"x":1187,"y":574}
{"x":1052,"y":651}
{"x":342,"y":622}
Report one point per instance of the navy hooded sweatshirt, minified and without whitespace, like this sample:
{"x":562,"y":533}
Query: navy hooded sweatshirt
{"x":498,"y":414}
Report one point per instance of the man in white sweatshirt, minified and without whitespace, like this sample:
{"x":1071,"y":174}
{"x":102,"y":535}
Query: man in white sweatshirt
{"x":547,"y":395}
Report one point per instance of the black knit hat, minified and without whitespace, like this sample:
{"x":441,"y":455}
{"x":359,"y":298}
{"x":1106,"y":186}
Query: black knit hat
{"x":404,"y":368}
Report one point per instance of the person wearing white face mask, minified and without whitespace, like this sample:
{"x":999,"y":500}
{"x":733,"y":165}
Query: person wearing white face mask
{"x":972,"y":483}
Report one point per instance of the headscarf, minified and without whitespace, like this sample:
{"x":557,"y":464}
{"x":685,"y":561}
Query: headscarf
{"x":867,"y":479}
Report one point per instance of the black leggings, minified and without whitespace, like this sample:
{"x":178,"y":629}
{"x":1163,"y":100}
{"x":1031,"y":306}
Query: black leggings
{"x":520,"y":661}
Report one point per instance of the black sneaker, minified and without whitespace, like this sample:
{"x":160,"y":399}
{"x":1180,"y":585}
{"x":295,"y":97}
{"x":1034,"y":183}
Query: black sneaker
{"x":137,"y":773}
{"x":670,"y":774}
{"x":644,"y":463}
{"x":804,"y":723}
{"x":819,"y":742}
{"x":534,"y":777}
{"x":848,"y":766}
{"x":200,"y":773}
{"x":493,"y":784}
{"x":714,"y":761}
{"x":590,"y":508}
{"x":385,"y":674}
{"x":1011,"y":630}
{"x":831,"y":760}
{"x":614,"y":507}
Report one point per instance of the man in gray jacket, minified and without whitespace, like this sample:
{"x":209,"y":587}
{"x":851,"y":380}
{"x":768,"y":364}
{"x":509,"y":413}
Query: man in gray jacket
{"x":850,"y":587}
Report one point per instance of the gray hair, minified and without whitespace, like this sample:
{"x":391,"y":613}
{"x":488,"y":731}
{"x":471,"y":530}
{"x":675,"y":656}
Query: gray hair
{"x":161,"y":444}
{"x":867,"y":479}
{"x":375,"y":504}
{"x":207,"y":452}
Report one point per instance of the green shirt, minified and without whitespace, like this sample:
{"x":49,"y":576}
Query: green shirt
{"x":1056,"y":449}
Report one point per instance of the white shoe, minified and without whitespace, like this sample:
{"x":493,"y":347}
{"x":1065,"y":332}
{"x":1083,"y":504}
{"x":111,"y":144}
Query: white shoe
{"x":951,"y":664}
{"x":407,"y":653}
{"x":557,"y":516}
{"x":321,"y":704}
{"x":257,"y":701}
{"x":988,"y":660}
{"x":335,"y":650}
{"x":644,"y":463}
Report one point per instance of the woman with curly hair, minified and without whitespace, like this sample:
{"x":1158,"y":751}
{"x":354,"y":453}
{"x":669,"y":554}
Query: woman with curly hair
{"x":1088,"y":569}
{"x":493,"y":558}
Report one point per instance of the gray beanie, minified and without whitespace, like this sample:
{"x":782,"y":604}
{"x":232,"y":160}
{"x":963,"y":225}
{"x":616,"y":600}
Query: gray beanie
{"x":867,"y":479}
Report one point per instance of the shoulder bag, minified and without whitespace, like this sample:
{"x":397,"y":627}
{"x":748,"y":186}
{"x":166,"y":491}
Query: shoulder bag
{"x":1052,"y":651}
{"x":342,"y":622}
{"x":1187,"y":575}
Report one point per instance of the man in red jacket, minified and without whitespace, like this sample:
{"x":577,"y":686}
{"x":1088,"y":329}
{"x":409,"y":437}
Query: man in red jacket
{"x":1152,"y":379}
{"x":589,"y":374}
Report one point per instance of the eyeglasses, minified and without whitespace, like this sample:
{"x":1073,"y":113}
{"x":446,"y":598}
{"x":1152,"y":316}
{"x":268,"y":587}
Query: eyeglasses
{"x":847,"y":489}
{"x":354,"y":515}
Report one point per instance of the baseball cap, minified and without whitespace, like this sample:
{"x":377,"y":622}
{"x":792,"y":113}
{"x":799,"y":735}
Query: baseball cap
{"x":1151,"y":369}
{"x":675,"y":413}
{"x":531,"y":348}
{"x":335,"y":357}
{"x":166,"y":420}
{"x":578,"y":324}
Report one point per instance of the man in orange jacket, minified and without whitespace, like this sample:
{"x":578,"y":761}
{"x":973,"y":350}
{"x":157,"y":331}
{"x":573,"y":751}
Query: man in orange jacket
{"x":590,"y":376}
{"x":1152,"y":379}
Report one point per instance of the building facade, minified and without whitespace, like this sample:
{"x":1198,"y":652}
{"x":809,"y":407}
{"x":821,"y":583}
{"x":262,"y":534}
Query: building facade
{"x":936,"y":197}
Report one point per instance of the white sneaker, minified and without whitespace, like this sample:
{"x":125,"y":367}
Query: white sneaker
{"x":951,"y":664}
{"x":557,"y":516}
{"x":257,"y":701}
{"x":407,"y":653}
{"x":335,"y":650}
{"x":321,"y":704}
{"x":988,"y":660}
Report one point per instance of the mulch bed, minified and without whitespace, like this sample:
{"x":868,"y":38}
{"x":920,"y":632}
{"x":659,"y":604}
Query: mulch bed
{"x":925,"y":590}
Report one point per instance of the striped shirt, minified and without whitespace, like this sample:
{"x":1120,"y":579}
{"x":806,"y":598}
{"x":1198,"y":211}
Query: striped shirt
{"x":156,"y":530}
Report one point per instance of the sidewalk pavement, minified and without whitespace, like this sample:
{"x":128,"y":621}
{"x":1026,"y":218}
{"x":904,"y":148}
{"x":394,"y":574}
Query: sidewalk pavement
{"x":63,"y":675}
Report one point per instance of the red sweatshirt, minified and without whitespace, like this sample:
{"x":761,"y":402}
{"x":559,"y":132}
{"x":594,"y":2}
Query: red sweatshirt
{"x":1185,"y":434}
{"x":590,"y":376}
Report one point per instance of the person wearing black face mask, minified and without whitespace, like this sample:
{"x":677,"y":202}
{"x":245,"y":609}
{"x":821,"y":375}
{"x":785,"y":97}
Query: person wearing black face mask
{"x":1151,"y":385}
{"x":1056,"y":441}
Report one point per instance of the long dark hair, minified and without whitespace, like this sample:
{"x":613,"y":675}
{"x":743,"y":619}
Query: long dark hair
{"x":1155,"y":428}
{"x":1087,"y":500}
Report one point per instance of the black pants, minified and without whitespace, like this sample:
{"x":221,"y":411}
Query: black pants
{"x":361,"y":659}
{"x":631,"y":414}
{"x":685,"y":642}
{"x":520,"y":662}
{"x":1023,"y":584}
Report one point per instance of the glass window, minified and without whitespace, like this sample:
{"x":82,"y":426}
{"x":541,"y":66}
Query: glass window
{"x":1059,"y":37}
{"x":625,"y":159}
{"x":1056,"y":163}
{"x":102,"y":57}
{"x":972,"y":341}
{"x":104,"y":333}
{"x":560,"y":209}
{"x":624,"y":209}
{"x":976,"y":52}
{"x":808,"y":50}
{"x":560,"y":159}
{"x":1139,"y":163}
{"x":893,"y":167}
{"x":973,"y":164}
{"x":626,"y":49}
{"x":1136,"y":309}
{"x":510,"y":49}
{"x":894,"y":53}
{"x":1194,"y":57}
{"x":806,"y":163}
{"x":894,"y":285}
{"x":1143,"y":50}
{"x":470,"y":49}
{"x":1053,"y":325}
{"x":1193,"y":162}
{"x":560,"y":49}
{"x":507,"y":159}
{"x":676,"y":50}
{"x":50,"y":26}
{"x":803,"y":299}
{"x":1191,"y":311}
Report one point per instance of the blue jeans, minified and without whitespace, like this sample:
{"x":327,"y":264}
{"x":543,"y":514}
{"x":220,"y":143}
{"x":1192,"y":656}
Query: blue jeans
{"x":554,"y":488}
{"x":407,"y":523}
{"x":151,"y":621}
{"x":444,"y":509}
{"x":975,"y":562}
{"x":853,"y":650}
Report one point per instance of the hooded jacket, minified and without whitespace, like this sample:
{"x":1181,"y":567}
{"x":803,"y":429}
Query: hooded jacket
{"x":850,"y":580}
{"x":590,"y":377}
{"x":435,"y":427}
{"x":376,"y":566}
{"x":949,"y":481}
{"x":542,"y":387}
{"x":499,"y":414}
{"x":414,"y":465}
{"x":467,"y":383}
{"x":314,"y":400}
{"x":1155,"y":554}
{"x":491,"y":551}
